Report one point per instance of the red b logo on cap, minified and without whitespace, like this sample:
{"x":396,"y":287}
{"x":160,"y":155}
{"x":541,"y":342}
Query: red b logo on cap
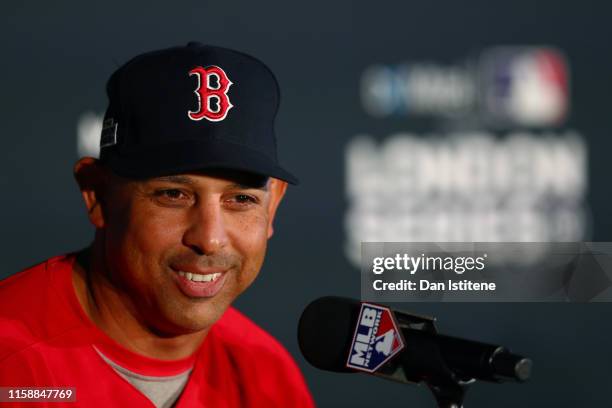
{"x":206,"y":93}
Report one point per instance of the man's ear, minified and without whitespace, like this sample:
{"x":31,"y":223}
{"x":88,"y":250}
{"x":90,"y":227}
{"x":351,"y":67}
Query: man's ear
{"x":277,"y":190}
{"x":91,"y":178}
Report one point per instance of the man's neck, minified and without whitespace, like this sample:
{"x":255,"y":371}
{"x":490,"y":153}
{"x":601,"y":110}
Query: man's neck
{"x":115,"y":315}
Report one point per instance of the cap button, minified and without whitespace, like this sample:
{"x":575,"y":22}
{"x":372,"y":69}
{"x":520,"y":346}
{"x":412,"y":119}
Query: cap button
{"x":194,"y":44}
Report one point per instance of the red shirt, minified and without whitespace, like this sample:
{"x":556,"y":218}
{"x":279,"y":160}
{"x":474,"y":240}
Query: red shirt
{"x":46,"y":340}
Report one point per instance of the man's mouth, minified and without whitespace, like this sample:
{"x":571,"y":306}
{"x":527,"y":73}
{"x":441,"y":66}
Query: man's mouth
{"x":196,"y":277}
{"x":197,"y":282}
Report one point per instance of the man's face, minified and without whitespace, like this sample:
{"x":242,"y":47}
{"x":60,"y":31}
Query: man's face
{"x":183,"y":247}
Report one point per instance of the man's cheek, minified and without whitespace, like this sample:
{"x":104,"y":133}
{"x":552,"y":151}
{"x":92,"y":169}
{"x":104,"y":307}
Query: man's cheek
{"x":154,"y":232}
{"x":252,"y":243}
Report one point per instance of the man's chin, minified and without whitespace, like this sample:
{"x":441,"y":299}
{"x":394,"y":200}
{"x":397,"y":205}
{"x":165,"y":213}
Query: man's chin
{"x":182,"y":323}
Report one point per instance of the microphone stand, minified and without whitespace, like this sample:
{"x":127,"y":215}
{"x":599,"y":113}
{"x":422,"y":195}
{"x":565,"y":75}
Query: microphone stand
{"x":449,"y":395}
{"x":447,"y":387}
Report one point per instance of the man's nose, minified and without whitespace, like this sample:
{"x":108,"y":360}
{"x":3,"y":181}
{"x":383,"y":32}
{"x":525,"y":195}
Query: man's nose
{"x":206,"y":234}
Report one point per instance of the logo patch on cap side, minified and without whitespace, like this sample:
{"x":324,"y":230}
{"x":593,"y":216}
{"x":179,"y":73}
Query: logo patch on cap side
{"x":213,"y":104}
{"x":376,"y":340}
{"x":109,"y":133}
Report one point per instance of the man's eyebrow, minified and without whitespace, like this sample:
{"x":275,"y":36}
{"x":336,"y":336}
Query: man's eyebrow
{"x":240,"y":186}
{"x":176,"y":179}
{"x":179,"y":179}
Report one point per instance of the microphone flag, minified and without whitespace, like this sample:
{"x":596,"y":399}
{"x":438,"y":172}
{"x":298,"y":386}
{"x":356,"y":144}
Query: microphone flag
{"x":376,"y":339}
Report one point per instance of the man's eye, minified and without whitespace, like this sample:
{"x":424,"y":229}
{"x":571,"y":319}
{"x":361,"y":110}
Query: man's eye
{"x":243,"y":198}
{"x":242,"y":201}
{"x":171,"y":196}
{"x":174,"y":194}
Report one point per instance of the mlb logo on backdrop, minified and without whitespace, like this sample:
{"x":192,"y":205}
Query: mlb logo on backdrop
{"x":526,"y":86}
{"x":376,"y":340}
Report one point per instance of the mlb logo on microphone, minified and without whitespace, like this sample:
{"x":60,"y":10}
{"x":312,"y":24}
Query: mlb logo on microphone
{"x":526,"y":86}
{"x":376,"y":340}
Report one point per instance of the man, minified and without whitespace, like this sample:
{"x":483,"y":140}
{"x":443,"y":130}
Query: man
{"x":183,"y":200}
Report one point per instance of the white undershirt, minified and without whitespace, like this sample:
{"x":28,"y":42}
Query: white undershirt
{"x":163,"y":391}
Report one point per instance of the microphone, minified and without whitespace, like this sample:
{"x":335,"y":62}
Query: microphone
{"x":328,"y":331}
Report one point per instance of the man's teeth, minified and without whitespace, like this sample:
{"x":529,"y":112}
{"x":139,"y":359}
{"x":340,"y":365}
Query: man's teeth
{"x":195,"y":277}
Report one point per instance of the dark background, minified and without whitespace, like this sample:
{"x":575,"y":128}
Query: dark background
{"x":57,"y":56}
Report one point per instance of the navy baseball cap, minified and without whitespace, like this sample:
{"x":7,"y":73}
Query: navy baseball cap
{"x":191,"y":108}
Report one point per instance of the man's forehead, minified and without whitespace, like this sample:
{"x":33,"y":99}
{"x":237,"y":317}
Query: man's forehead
{"x":233,"y":178}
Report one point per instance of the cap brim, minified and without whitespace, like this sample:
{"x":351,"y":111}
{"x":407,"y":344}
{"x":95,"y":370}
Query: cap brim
{"x":188,"y":156}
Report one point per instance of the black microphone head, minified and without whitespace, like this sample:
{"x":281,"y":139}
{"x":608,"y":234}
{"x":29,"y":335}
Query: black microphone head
{"x":325,"y":332}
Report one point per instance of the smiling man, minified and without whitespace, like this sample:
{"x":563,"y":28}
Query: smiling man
{"x":183,"y":200}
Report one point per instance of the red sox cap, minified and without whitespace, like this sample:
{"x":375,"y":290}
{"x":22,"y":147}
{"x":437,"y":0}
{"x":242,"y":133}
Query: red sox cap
{"x":191,"y":108}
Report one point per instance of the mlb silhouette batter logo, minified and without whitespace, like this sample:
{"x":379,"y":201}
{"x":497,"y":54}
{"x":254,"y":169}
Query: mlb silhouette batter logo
{"x":213,"y":102}
{"x":376,"y":340}
{"x":526,"y":85}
